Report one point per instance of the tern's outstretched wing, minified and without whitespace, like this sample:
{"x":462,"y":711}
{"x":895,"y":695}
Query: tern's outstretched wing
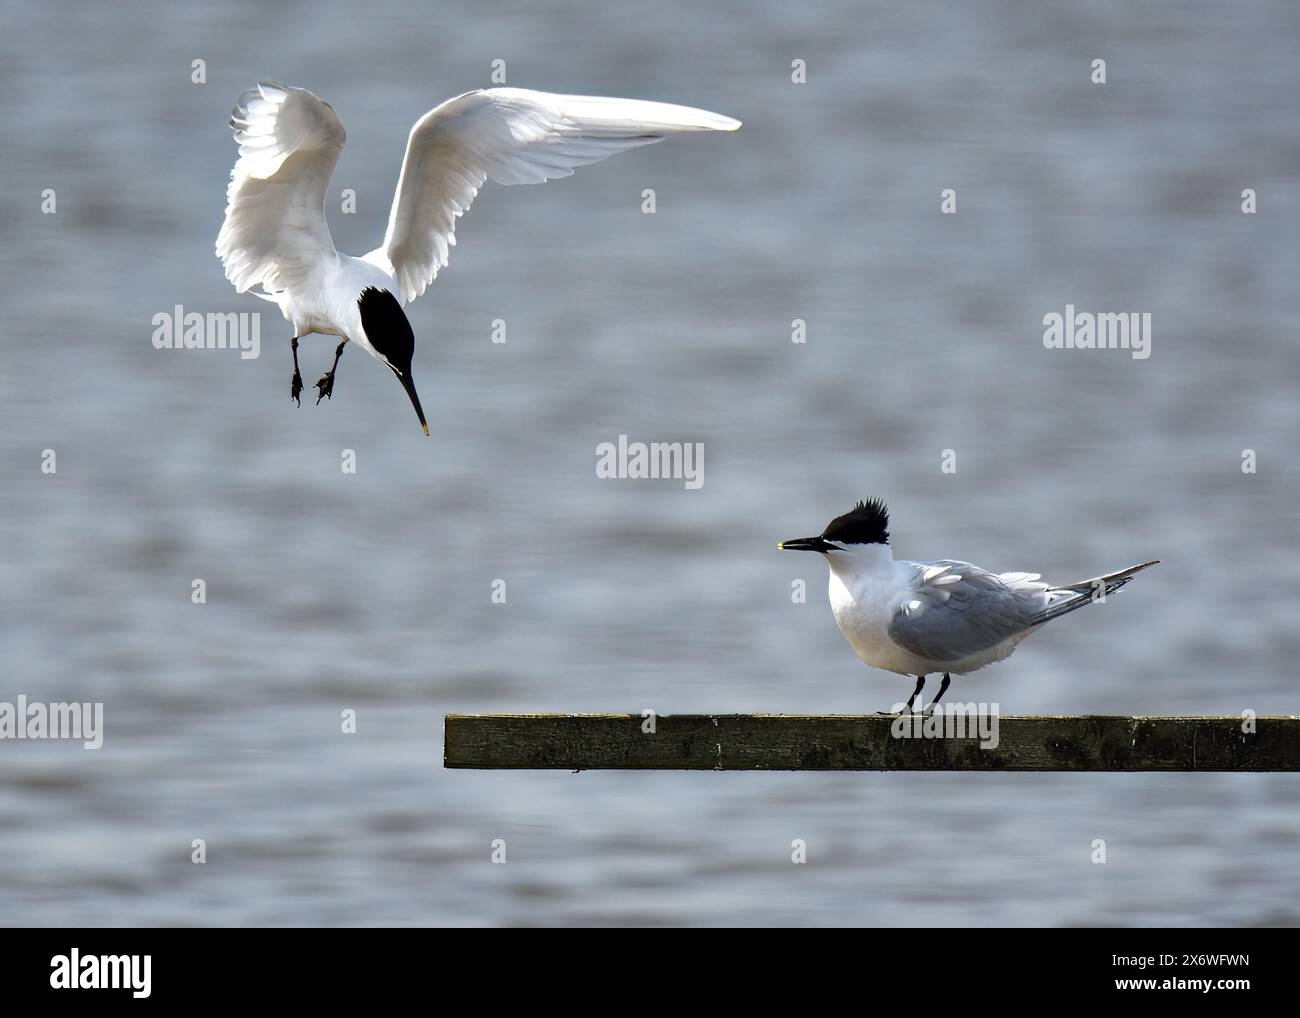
{"x":514,"y":136}
{"x":955,"y":609}
{"x":275,"y":232}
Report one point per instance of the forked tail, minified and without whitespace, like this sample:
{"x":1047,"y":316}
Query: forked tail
{"x":1069,"y":596}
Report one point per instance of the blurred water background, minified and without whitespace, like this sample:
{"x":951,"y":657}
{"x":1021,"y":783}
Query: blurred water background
{"x":372,"y":592}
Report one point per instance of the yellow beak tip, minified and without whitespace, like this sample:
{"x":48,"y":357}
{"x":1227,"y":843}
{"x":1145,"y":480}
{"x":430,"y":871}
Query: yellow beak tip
{"x":426,"y":431}
{"x":781,"y":546}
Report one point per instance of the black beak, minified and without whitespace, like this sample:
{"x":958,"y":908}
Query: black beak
{"x":409,"y":386}
{"x":807,"y":544}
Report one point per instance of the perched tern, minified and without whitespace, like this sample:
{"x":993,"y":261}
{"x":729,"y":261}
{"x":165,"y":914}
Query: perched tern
{"x":945,"y":616}
{"x":275,"y":236}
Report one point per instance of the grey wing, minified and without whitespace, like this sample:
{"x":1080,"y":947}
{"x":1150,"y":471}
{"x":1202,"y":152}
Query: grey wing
{"x":956,"y":609}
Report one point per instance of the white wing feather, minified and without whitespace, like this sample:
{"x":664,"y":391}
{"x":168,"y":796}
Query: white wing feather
{"x":513,"y":136}
{"x":275,"y":232}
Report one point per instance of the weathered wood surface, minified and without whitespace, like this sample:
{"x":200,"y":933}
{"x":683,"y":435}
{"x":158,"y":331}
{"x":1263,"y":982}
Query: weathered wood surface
{"x":784,"y":742}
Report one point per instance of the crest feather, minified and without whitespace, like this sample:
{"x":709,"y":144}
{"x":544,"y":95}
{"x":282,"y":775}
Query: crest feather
{"x":867,"y":523}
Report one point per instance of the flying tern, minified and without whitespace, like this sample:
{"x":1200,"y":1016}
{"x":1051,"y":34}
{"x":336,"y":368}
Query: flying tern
{"x":275,"y":236}
{"x":947,"y":616}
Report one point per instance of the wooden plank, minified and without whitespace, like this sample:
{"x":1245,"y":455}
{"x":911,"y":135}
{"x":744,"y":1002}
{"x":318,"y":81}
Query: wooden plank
{"x":786,"y":742}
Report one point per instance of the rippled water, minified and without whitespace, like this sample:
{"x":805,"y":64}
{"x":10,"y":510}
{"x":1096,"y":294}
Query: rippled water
{"x":372,"y":592}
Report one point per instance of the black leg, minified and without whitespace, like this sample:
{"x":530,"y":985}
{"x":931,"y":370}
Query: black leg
{"x":295,"y":387}
{"x":326,"y":383}
{"x":920,"y":682}
{"x":943,"y":688}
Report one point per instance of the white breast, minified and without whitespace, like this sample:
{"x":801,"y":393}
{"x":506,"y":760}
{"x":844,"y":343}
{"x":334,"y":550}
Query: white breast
{"x":864,"y":597}
{"x":329,"y":305}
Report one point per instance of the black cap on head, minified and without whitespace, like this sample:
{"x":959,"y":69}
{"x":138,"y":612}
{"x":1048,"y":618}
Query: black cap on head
{"x":388,"y":331}
{"x":867,"y":523}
